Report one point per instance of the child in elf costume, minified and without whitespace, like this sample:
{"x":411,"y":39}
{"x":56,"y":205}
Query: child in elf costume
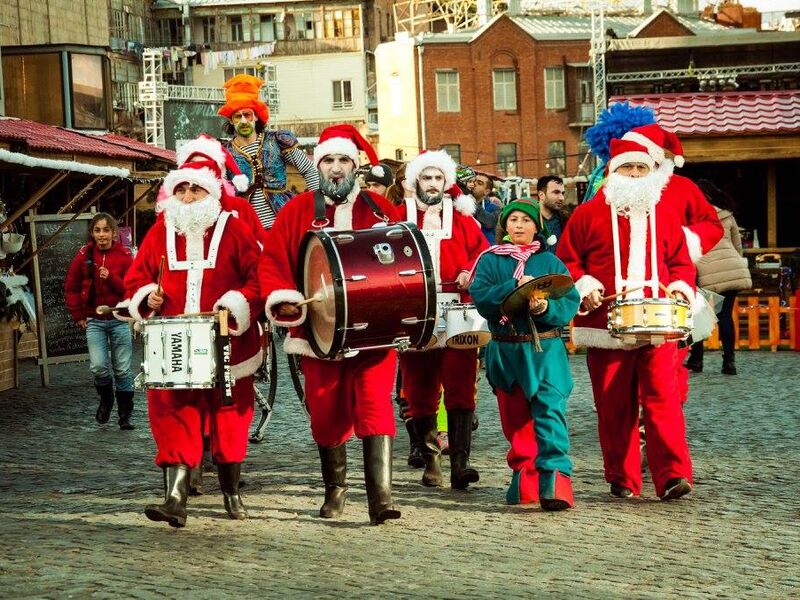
{"x":526,"y":361}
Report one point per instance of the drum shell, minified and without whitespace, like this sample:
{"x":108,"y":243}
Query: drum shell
{"x":465,"y":328}
{"x":644,"y":318}
{"x":180,"y":352}
{"x":368,"y":299}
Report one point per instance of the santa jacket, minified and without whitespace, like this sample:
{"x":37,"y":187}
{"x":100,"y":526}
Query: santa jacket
{"x":695,"y":213}
{"x":278,"y":267}
{"x":461,"y":250}
{"x":228,"y":255}
{"x":586,"y":248}
{"x":84,"y":292}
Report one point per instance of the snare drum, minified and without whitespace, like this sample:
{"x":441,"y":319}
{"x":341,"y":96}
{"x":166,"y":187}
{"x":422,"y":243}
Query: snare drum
{"x":465,"y":327}
{"x":180,"y":352}
{"x":376,"y":289}
{"x":653,"y":320}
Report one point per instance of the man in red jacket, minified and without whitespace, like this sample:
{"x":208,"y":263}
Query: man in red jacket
{"x":455,"y":240}
{"x":344,"y":395}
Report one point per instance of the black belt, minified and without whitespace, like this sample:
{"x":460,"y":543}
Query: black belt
{"x":543,"y":335}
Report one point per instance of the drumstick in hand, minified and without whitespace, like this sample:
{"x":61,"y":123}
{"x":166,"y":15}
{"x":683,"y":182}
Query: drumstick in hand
{"x":314,"y":298}
{"x":612,"y":296}
{"x":160,"y":275}
{"x":104,"y":309}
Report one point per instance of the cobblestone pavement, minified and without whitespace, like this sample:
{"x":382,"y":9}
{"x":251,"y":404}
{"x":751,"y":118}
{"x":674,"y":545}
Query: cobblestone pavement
{"x":72,"y":495}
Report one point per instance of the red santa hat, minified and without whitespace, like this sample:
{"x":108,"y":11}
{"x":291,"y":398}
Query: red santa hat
{"x":209,"y":148}
{"x":659,"y":142}
{"x":204,"y":173}
{"x":625,"y":151}
{"x":438,"y":159}
{"x":344,"y":139}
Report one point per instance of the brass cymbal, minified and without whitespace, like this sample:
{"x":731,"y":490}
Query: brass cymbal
{"x":552,"y":285}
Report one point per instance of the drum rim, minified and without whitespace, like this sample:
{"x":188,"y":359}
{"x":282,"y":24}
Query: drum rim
{"x":431,"y":306}
{"x":664,"y":301}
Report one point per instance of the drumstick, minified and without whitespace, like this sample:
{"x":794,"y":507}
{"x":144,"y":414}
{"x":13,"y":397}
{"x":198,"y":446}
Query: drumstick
{"x":105,"y":309}
{"x":160,"y":275}
{"x":583,"y":313}
{"x":314,"y":298}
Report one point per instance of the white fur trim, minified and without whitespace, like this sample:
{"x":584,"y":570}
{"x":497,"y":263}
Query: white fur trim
{"x":235,"y":302}
{"x":343,"y":213}
{"x":551,"y":241}
{"x":693,"y":244}
{"x":590,"y":337}
{"x":438,"y":159}
{"x":465,"y":204}
{"x":241,"y":182}
{"x":678,"y":160}
{"x":653,"y":149}
{"x":337,"y":145}
{"x":202,"y":145}
{"x":279,"y":296}
{"x":587,"y":284}
{"x":630,"y":157}
{"x":293,"y":345}
{"x":123,"y":315}
{"x":378,"y":171}
{"x":684,"y":288}
{"x":138,"y":297}
{"x":204,"y":177}
{"x":248,"y":366}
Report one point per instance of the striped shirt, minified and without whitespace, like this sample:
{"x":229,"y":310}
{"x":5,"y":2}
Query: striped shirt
{"x":262,"y":206}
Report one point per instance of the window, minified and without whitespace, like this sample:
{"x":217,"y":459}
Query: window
{"x":304,"y":25}
{"x":88,"y":98}
{"x":25,"y":78}
{"x":237,"y":31}
{"x":507,"y":159}
{"x":209,"y":32}
{"x":556,"y":158}
{"x":447,"y":92}
{"x":554,"y":87}
{"x":342,"y":94}
{"x":454,"y":150}
{"x":230,"y":72}
{"x":505,"y":89}
{"x":398,"y":154}
{"x":265,"y":30}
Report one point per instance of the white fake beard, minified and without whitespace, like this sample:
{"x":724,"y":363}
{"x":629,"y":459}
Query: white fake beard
{"x":629,"y":195}
{"x":192,"y":219}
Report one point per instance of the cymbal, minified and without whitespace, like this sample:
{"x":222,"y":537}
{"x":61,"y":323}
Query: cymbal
{"x":553,"y":285}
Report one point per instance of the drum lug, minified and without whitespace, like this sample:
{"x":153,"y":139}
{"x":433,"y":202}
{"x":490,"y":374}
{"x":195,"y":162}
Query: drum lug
{"x":355,"y":278}
{"x":343,"y":238}
{"x":395,"y":233}
{"x":384,"y":253}
{"x":402,"y":344}
{"x":408,"y":272}
{"x":412,"y":321}
{"x":348,"y":353}
{"x":358,"y":326}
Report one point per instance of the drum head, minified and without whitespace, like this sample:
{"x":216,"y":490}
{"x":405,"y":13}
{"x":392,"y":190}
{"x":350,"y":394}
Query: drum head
{"x":318,"y":281}
{"x":554,"y":285}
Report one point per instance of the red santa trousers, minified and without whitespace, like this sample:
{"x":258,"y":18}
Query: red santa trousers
{"x":176,"y":420}
{"x":517,"y":423}
{"x":617,"y":376}
{"x":353,"y":394}
{"x":426,"y":373}
{"x":682,"y":374}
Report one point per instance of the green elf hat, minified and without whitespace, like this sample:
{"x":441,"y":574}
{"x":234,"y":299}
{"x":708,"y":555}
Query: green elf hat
{"x":531,"y":208}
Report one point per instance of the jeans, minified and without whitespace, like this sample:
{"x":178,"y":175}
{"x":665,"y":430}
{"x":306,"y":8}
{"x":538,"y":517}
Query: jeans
{"x":111,"y":335}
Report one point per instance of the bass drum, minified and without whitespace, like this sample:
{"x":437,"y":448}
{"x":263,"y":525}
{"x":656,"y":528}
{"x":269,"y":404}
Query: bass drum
{"x":374,"y":288}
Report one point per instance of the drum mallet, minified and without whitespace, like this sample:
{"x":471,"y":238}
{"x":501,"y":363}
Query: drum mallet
{"x":104,"y":309}
{"x":160,"y":275}
{"x":314,"y":298}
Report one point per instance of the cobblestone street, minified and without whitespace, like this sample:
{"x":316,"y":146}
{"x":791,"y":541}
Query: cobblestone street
{"x":72,"y":494}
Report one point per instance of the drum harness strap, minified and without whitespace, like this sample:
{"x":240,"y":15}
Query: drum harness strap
{"x":320,"y":220}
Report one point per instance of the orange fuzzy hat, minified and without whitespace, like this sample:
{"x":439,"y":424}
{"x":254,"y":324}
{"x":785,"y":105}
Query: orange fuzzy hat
{"x":241,"y":91}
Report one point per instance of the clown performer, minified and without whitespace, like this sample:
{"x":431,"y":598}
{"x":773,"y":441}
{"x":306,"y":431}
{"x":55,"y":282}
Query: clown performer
{"x":349,"y":394}
{"x":455,"y":240}
{"x":261,"y":154}
{"x":526,"y":361}
{"x":607,"y":247}
{"x":211,"y":263}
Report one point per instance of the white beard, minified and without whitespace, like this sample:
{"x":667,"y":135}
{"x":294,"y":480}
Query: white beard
{"x":191,"y":220}
{"x":637,"y":195}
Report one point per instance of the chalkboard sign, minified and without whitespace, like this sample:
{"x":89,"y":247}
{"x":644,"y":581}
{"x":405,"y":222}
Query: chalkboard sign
{"x":59,"y":339}
{"x":186,"y":120}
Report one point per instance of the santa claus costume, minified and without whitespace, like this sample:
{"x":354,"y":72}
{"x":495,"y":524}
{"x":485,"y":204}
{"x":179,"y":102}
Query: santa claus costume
{"x":211,"y":263}
{"x":623,"y":375}
{"x":455,"y":240}
{"x":345,"y":395}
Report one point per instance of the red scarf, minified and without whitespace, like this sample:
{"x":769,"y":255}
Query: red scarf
{"x":521,"y":253}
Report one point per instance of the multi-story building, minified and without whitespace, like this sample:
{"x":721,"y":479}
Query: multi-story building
{"x":320,"y":53}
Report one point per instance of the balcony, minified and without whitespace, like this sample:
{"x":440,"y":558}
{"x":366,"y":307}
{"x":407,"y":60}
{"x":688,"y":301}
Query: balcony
{"x":296,"y":47}
{"x":581,"y":114}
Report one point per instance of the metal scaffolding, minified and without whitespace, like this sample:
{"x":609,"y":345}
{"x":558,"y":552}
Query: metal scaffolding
{"x":597,"y":54}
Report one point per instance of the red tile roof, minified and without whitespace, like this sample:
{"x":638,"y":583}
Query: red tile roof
{"x":48,"y":138}
{"x":724,"y":113}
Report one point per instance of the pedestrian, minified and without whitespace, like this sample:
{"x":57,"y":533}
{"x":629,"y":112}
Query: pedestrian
{"x":351,"y":394}
{"x":379,"y":178}
{"x":210,"y":262}
{"x":722,"y":270}
{"x":531,"y":383}
{"x":455,"y":240}
{"x":397,"y":192}
{"x":95,"y":278}
{"x":487,"y":206}
{"x":261,"y":154}
{"x":550,"y":192}
{"x":605,"y":243}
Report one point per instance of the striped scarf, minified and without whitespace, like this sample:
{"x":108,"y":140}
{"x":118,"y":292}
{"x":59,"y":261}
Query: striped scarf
{"x":520,"y":253}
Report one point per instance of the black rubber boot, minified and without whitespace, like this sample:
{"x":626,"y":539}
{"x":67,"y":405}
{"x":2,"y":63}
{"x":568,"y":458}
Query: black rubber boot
{"x":125,"y":409}
{"x":426,"y":435}
{"x":176,"y":489}
{"x":228,"y":474}
{"x":459,"y":430}
{"x":106,"y":392}
{"x":729,"y":364}
{"x":415,"y":458}
{"x":334,"y":475}
{"x":695,"y":360}
{"x":378,"y":478}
